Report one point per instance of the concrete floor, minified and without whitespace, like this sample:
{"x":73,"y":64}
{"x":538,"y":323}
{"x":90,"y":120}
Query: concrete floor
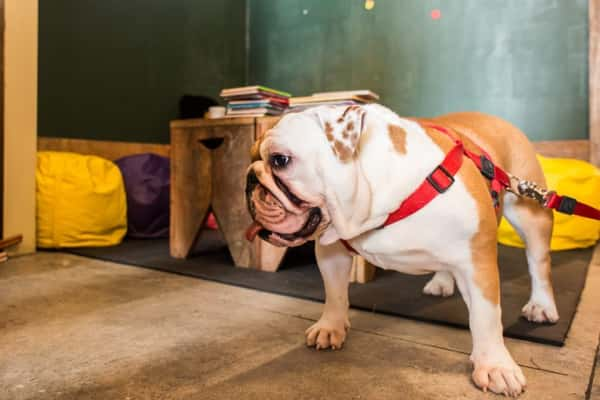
{"x":75,"y":328}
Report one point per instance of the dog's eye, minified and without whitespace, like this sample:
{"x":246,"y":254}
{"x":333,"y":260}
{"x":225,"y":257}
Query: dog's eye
{"x":279,"y":161}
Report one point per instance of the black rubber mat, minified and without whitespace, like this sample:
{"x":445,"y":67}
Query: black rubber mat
{"x":389,"y":293}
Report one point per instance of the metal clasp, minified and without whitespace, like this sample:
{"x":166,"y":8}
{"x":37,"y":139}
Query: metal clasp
{"x":530,"y":190}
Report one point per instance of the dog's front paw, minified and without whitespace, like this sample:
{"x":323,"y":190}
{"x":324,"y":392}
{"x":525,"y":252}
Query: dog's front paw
{"x":327,"y":333}
{"x":540,"y":312}
{"x":442,"y":284}
{"x":499,"y":374}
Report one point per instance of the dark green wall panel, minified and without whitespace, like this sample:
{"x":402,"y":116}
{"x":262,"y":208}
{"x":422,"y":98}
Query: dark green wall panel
{"x":524,"y":60}
{"x":115,"y":69}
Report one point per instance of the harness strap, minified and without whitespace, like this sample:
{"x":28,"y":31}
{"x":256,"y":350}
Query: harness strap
{"x":442,"y":177}
{"x":437,"y":182}
{"x":498,"y":178}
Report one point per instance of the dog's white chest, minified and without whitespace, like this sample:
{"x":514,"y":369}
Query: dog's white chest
{"x":436,"y":236}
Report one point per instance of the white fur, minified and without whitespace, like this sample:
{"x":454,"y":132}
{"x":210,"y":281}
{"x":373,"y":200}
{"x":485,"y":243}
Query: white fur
{"x":442,"y":284}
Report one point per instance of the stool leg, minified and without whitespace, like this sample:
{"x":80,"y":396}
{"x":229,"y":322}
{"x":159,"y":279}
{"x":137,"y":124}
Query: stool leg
{"x":191,"y":173}
{"x":362,"y":270}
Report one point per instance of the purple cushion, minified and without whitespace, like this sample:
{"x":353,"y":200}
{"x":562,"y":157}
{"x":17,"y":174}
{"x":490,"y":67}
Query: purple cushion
{"x":147,"y":180}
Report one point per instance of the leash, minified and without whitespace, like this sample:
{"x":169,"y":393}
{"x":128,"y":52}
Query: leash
{"x":550,"y":199}
{"x":442,"y":178}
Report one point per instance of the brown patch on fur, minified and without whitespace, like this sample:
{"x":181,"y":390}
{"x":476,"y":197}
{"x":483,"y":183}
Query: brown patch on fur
{"x":329,"y":132}
{"x":398,"y":137}
{"x":350,"y":108}
{"x":345,"y":135}
{"x":484,"y":246}
{"x":343,"y":152}
{"x":340,"y":120}
{"x":350,"y":126}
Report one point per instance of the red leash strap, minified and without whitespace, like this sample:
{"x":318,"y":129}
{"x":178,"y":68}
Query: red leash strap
{"x":570,"y":206}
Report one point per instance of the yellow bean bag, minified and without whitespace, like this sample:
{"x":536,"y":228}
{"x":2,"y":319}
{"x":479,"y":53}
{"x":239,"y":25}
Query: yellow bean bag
{"x":573,"y":178}
{"x":80,"y":201}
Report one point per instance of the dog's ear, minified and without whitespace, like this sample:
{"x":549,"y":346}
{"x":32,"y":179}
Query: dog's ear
{"x":343,"y":128}
{"x":255,"y":149}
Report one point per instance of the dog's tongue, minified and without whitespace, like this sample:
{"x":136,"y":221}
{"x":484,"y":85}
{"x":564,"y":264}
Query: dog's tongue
{"x":253,"y":230}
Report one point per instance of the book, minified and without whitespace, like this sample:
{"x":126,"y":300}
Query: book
{"x":322,"y":98}
{"x":299,"y":107}
{"x":252,"y":111}
{"x":269,"y":100}
{"x":314,"y":100}
{"x":364,"y":93}
{"x":256,"y":96}
{"x":249,"y":90}
{"x":250,"y":106}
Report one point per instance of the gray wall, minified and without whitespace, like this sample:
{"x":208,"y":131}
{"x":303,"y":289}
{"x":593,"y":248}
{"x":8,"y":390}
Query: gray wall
{"x":115,"y":69}
{"x":524,"y":60}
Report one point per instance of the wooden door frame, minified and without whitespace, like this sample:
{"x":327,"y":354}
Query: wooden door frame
{"x":2,"y":29}
{"x":594,"y":80}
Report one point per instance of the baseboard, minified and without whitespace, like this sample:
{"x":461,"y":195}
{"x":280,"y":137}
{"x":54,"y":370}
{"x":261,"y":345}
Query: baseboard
{"x":579,"y":149}
{"x":107,"y":149}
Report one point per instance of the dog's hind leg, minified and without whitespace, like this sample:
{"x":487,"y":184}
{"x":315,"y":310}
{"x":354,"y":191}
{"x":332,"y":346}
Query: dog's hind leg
{"x":442,"y":284}
{"x":534,"y":225}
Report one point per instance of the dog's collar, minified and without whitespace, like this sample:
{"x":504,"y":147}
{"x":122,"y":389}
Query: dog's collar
{"x":442,"y":178}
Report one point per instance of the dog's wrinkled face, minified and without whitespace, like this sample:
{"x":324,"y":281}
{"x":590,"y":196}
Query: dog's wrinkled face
{"x":285,"y":188}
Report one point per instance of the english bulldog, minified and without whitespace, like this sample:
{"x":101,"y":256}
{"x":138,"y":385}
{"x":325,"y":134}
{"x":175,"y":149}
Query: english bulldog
{"x":335,"y":173}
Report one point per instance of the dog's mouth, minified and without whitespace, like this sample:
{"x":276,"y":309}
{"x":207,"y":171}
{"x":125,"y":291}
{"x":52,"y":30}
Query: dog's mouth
{"x":310,"y":226}
{"x":272,"y":221}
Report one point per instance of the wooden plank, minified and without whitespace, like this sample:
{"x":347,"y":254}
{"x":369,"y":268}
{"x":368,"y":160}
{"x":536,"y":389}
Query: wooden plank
{"x":263,"y":124}
{"x":230,"y":162}
{"x":110,"y":150}
{"x":2,"y":23}
{"x":268,"y":257}
{"x":594,"y":80}
{"x":11,"y":241}
{"x":362,"y":271}
{"x":190,"y":202}
{"x":579,"y":149}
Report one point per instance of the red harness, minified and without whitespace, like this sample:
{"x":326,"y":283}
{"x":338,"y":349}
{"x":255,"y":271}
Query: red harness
{"x":442,"y":178}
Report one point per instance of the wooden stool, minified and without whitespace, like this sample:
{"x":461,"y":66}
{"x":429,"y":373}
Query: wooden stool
{"x":209,"y":160}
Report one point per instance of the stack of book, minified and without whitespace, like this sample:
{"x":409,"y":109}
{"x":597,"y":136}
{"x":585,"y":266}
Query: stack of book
{"x":347,"y":97}
{"x":255,"y":101}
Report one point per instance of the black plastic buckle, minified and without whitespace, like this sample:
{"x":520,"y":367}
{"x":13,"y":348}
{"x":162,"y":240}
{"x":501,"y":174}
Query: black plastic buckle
{"x":487,"y":167}
{"x":567,"y":205}
{"x":437,"y":186}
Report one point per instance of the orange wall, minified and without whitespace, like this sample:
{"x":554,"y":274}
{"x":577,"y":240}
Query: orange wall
{"x":20,"y":120}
